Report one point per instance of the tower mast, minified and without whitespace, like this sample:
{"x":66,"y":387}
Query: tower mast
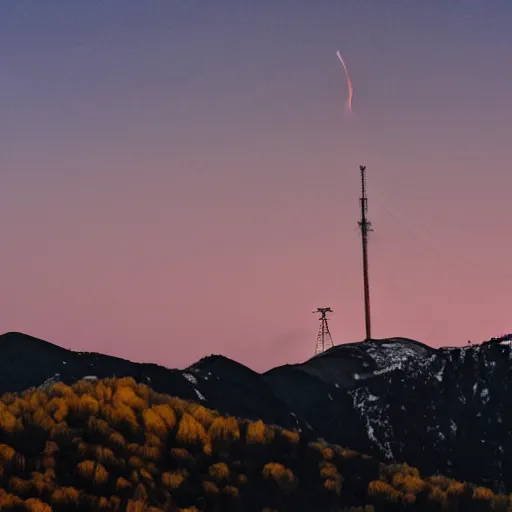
{"x":323,"y":339}
{"x":365,"y":227}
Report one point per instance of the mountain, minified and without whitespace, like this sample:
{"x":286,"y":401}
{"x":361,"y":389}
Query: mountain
{"x":445,"y":410}
{"x":114,"y":444}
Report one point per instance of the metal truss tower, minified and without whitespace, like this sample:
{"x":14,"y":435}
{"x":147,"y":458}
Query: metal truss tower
{"x":323,"y":339}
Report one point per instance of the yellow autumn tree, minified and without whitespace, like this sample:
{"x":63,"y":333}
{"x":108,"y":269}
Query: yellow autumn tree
{"x":7,"y":453}
{"x":438,"y":496}
{"x":43,"y":420}
{"x":290,"y":435}
{"x":65,"y":496}
{"x":231,"y":491}
{"x":136,"y":506}
{"x":180,"y":454}
{"x":283,"y":476}
{"x":154,"y":423}
{"x":224,"y":429}
{"x":408,"y":483}
{"x":93,"y":471}
{"x":117,"y":441}
{"x":210,"y":488}
{"x":219,"y":472}
{"x":259,"y":433}
{"x":328,"y":470}
{"x":166,"y":412}
{"x":122,"y":484}
{"x":61,"y":390}
{"x":36,"y":505}
{"x":382,"y":491}
{"x":58,"y":409}
{"x":87,"y":406}
{"x":483,"y":494}
{"x":455,"y":489}
{"x":440,"y":481}
{"x":190,"y":431}
{"x":126,"y":395}
{"x":205,"y":416}
{"x":173,"y":479}
{"x":333,"y":485}
{"x":152,"y":453}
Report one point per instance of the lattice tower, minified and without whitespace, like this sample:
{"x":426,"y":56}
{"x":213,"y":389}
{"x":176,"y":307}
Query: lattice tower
{"x":323,"y":339}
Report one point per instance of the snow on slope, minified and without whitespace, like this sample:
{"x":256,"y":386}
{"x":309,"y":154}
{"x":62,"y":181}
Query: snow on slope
{"x":372,"y":410}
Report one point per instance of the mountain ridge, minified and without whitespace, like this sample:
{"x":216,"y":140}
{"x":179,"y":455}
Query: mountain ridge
{"x":396,"y":399}
{"x":115,"y":444}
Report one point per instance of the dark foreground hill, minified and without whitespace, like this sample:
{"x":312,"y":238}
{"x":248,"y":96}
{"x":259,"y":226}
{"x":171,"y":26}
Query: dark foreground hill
{"x":117,"y":445}
{"x":447,"y":410}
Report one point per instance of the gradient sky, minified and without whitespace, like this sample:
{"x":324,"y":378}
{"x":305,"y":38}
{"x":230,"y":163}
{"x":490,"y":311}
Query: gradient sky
{"x":180,"y":178}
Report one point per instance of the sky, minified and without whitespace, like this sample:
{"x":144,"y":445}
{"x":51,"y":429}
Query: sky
{"x":180,"y":178}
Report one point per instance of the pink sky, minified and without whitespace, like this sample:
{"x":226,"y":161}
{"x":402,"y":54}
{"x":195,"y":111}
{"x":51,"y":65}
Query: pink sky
{"x":181,"y":181}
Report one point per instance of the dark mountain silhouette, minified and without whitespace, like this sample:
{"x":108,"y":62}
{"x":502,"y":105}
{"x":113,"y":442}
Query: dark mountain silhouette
{"x":115,"y":444}
{"x":445,"y":410}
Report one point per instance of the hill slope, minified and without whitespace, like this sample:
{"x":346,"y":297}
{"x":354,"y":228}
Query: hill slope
{"x":117,"y":445}
{"x":396,"y":399}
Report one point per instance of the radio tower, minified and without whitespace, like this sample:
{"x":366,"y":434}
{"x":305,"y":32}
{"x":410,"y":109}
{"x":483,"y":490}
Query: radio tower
{"x":323,"y":339}
{"x":365,"y":226}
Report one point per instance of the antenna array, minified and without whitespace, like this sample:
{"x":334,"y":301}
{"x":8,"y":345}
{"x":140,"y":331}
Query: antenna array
{"x":365,"y":227}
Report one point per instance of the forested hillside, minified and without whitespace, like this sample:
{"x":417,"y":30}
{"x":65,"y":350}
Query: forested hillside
{"x":117,"y":445}
{"x":395,"y":399}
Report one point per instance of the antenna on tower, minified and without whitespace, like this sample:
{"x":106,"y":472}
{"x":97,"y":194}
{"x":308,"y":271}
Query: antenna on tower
{"x":365,"y":227}
{"x":323,"y":339}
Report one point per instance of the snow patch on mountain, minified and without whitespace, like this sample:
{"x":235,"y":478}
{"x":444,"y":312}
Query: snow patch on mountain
{"x":199,"y":395}
{"x":191,"y":378}
{"x":374,"y":415}
{"x":394,"y":353}
{"x":397,"y":366}
{"x":439,"y":374}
